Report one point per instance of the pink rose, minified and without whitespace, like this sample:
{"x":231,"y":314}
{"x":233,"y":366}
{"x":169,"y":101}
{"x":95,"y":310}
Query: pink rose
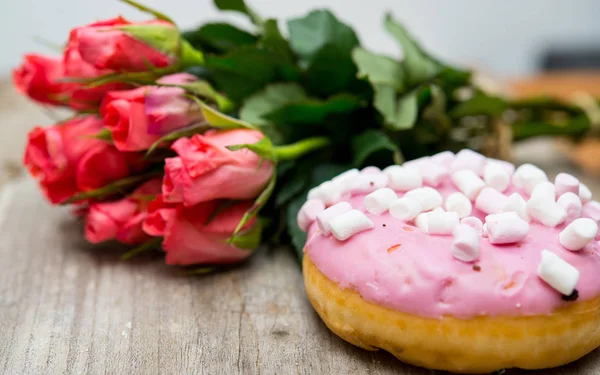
{"x":74,"y":66}
{"x":191,"y":238}
{"x":122,"y":219}
{"x":67,"y":159}
{"x":111,"y":45}
{"x":39,"y":78}
{"x":206,"y":170}
{"x":138,"y":118}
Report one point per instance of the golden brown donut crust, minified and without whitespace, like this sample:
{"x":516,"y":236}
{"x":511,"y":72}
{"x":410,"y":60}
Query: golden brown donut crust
{"x":477,"y":345}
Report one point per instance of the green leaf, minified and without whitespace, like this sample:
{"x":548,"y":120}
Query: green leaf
{"x":173,"y":136}
{"x":242,"y":71}
{"x":331,"y":71}
{"x":259,"y":203}
{"x":480,"y":104}
{"x":318,"y":29}
{"x":313,"y":111}
{"x":219,"y":37}
{"x":249,"y":239}
{"x":220,"y":120}
{"x":263,"y":148}
{"x":378,"y":69}
{"x":118,"y":187}
{"x":399,"y":113}
{"x":370,"y":142}
{"x":104,"y":135}
{"x":162,"y":37}
{"x":146,"y":246}
{"x":239,"y":6}
{"x":268,"y":100}
{"x":297,"y":236}
{"x":205,"y":90}
{"x":273,"y":41}
{"x":146,"y":9}
{"x":294,"y":185}
{"x":418,"y":66}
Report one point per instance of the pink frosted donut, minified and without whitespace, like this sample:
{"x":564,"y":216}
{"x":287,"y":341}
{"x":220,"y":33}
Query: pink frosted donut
{"x":480,"y":296}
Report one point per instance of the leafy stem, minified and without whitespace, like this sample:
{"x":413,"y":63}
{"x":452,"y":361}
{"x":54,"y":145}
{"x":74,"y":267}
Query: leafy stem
{"x":300,"y":148}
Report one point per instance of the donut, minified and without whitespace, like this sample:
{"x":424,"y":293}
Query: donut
{"x":456,"y":262}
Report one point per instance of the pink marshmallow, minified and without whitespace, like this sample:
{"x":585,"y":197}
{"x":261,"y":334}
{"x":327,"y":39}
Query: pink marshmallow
{"x":433,"y":174}
{"x":468,"y":159}
{"x":465,"y":246}
{"x":370,"y":170}
{"x":506,"y":228}
{"x":565,"y":183}
{"x":308,"y":213}
{"x":491,"y":201}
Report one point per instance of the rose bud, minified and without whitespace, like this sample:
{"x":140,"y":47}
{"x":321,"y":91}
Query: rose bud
{"x":159,"y":214}
{"x":39,"y":77}
{"x":206,"y":170}
{"x":121,"y":219}
{"x":193,"y":236}
{"x":119,"y":45}
{"x":138,"y":118}
{"x":75,"y":67}
{"x":67,"y":158}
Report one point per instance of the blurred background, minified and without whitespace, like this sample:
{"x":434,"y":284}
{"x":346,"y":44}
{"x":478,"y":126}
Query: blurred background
{"x":532,"y":46}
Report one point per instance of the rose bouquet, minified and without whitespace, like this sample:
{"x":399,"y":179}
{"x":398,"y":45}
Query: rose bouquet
{"x":206,"y":142}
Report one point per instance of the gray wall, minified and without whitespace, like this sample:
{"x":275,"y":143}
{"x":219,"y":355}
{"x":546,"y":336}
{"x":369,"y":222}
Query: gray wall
{"x":504,"y":37}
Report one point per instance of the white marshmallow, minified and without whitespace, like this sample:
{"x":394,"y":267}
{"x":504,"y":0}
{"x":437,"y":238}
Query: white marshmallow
{"x":496,"y":176}
{"x":592,"y":210}
{"x":405,"y":208}
{"x":415,"y":163}
{"x":443,"y":158}
{"x":557,"y":273}
{"x":432,"y":173}
{"x":348,"y":224}
{"x":370,"y":170}
{"x":421,"y":222}
{"x":585,"y":194}
{"x":507,"y":166}
{"x":505,"y":228}
{"x":528,"y":176}
{"x":491,"y":201}
{"x":571,"y":204}
{"x":442,"y":222}
{"x":465,"y":246}
{"x":380,"y":200}
{"x":468,"y":159}
{"x":428,"y":197}
{"x":566,"y":183}
{"x":403,"y":178}
{"x":547,"y":212}
{"x":468,"y":182}
{"x":344,"y":180}
{"x":484,"y":231}
{"x":308,"y":213}
{"x":324,"y":217}
{"x":438,"y":209}
{"x":544,"y":190}
{"x":367,"y":183}
{"x":578,"y":234}
{"x":328,"y":192}
{"x":516,"y":203}
{"x":474,"y":223}
{"x":459,"y":203}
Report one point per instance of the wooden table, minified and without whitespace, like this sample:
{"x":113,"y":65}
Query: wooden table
{"x":68,"y":307}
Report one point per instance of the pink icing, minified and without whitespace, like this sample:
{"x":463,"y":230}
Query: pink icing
{"x":398,"y":266}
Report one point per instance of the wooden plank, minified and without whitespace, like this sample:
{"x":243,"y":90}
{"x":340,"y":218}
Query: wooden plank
{"x":68,"y":307}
